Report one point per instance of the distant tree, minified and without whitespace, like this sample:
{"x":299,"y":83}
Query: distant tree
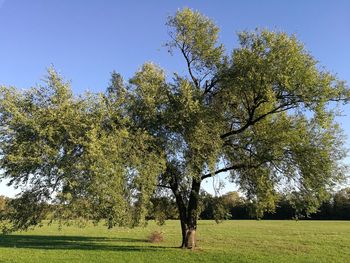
{"x":341,"y":204}
{"x":284,"y":208}
{"x":232,"y":199}
{"x":263,"y":114}
{"x":335,"y":207}
{"x":207,"y":206}
{"x":162,"y":208}
{"x":325,"y":211}
{"x":219,"y":207}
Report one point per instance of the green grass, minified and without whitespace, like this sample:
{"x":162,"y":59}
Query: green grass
{"x":230,"y":241}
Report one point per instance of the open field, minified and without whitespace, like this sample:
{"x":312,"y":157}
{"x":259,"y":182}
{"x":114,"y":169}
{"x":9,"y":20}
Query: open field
{"x":230,"y":241}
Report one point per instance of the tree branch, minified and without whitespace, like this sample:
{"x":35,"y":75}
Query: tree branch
{"x":188,"y":61}
{"x":163,"y":186}
{"x":252,"y":121}
{"x":233,"y":167}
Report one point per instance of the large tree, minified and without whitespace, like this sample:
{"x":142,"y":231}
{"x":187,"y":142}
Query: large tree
{"x":263,"y":113}
{"x":74,"y":157}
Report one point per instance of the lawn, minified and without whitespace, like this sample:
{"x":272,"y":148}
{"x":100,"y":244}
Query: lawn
{"x":230,"y":241}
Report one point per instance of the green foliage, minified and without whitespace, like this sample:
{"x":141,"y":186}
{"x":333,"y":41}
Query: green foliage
{"x":233,"y":206}
{"x":265,"y":113}
{"x":219,"y":208}
{"x":196,"y":37}
{"x":75,"y":153}
{"x":341,"y":204}
{"x":162,"y":208}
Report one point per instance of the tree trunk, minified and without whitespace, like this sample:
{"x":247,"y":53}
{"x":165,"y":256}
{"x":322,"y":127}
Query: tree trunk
{"x":188,"y":233}
{"x":182,"y":212}
{"x":183,"y":219}
{"x":192,"y":214}
{"x":188,"y":215}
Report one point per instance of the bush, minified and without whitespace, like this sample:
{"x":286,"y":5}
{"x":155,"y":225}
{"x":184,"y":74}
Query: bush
{"x":156,"y":237}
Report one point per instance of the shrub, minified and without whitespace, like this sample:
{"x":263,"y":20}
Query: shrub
{"x":156,"y":237}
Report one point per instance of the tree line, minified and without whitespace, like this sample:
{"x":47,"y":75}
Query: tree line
{"x":234,"y":206}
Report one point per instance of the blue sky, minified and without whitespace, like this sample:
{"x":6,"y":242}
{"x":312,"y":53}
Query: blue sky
{"x":86,"y":40}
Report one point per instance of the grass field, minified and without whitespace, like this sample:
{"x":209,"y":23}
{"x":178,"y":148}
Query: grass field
{"x":230,"y":241}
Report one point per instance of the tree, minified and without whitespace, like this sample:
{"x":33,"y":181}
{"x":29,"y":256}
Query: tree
{"x":219,"y":208}
{"x":162,"y":208}
{"x":74,"y":157}
{"x":341,"y":204}
{"x":263,"y":114}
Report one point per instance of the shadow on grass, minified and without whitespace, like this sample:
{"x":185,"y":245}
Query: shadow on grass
{"x":76,"y":242}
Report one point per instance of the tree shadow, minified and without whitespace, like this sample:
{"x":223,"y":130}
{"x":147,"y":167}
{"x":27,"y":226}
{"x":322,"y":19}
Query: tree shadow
{"x":76,"y":243}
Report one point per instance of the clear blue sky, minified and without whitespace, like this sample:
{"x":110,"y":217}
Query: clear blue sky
{"x":85,"y":40}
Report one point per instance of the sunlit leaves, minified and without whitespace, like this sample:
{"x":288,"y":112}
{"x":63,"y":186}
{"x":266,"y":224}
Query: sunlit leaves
{"x":265,"y":113}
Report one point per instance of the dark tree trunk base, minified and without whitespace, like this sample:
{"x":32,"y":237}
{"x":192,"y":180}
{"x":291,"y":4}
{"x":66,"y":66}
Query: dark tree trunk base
{"x":188,"y":212}
{"x":191,"y":239}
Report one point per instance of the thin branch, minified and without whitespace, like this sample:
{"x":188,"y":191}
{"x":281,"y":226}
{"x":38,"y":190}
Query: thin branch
{"x":251,"y":122}
{"x":233,"y":167}
{"x":209,"y":87}
{"x":188,"y":61}
{"x":163,"y":186}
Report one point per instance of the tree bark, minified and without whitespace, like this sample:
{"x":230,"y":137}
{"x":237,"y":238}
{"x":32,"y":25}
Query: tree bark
{"x":188,"y":215}
{"x":181,"y":207}
{"x":192,"y":214}
{"x":183,"y":218}
{"x":188,"y":211}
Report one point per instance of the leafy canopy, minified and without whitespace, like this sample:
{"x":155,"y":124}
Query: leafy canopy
{"x":264,"y":112}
